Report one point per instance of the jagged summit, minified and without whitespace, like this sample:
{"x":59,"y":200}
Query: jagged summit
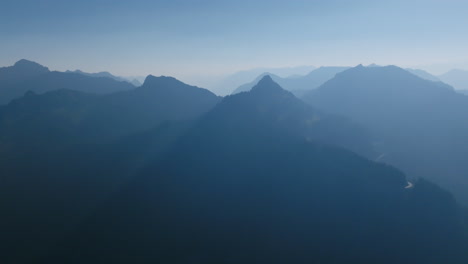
{"x":266,"y":84}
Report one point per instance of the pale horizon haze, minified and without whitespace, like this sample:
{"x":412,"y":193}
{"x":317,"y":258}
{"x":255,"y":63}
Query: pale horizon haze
{"x":195,"y":40}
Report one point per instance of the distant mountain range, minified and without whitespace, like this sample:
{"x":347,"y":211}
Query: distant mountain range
{"x":299,"y":85}
{"x":228,"y":84}
{"x":417,"y":124}
{"x":457,"y":78}
{"x":418,"y":72}
{"x":133,"y":81}
{"x":424,"y":74}
{"x":25,"y":76}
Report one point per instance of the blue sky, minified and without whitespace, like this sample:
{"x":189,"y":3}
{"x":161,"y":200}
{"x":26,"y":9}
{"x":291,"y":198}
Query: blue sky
{"x":207,"y":37}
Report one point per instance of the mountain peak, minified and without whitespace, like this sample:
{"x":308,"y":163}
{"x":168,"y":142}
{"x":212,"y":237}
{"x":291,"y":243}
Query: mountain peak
{"x":266,"y":79}
{"x":266,"y":84}
{"x":171,"y":85}
{"x":161,"y":80}
{"x":30,"y":66}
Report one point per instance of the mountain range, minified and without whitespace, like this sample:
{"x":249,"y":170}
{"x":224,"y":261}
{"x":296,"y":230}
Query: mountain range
{"x":171,"y":173}
{"x":26,"y":75}
{"x":457,"y":78}
{"x":416,"y":124}
{"x":64,"y":152}
{"x":298,"y":84}
{"x":133,"y":81}
{"x":263,"y":193}
{"x":65,"y":117}
{"x":301,"y":84}
{"x":228,"y":84}
{"x":424,"y":74}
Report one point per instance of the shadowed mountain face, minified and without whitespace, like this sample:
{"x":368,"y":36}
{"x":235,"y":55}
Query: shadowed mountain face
{"x":298,"y":84}
{"x":241,"y":187}
{"x":281,"y":107}
{"x":64,"y":152}
{"x":25,"y":76}
{"x":418,"y":124}
{"x":65,"y":117}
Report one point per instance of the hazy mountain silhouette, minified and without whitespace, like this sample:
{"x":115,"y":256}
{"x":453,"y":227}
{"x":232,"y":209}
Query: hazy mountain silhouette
{"x":133,"y":81}
{"x":100,"y":74}
{"x":457,"y":78}
{"x":25,"y":76}
{"x":295,"y":116}
{"x":21,"y":70}
{"x":418,"y":72}
{"x":228,"y":84}
{"x":299,"y":84}
{"x":242,"y":186}
{"x":248,"y":86}
{"x":423,"y":74}
{"x":418,"y":124}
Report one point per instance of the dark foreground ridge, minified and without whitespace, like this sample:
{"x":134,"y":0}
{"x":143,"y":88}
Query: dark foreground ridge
{"x":239,"y":187}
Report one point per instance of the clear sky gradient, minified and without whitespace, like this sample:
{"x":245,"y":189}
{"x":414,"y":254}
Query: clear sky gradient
{"x":208,"y":37}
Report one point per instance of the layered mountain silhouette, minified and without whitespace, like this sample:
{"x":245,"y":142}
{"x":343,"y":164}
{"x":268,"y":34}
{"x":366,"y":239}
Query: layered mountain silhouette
{"x":66,"y":117}
{"x":423,"y":74}
{"x":64,"y":152}
{"x":226,"y":86}
{"x":26,"y":75}
{"x":298,"y":84}
{"x":301,"y":84}
{"x":135,"y":82}
{"x":300,"y":119}
{"x":418,"y":124}
{"x":171,"y":173}
{"x":457,"y":78}
{"x":418,"y":72}
{"x":242,"y":186}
